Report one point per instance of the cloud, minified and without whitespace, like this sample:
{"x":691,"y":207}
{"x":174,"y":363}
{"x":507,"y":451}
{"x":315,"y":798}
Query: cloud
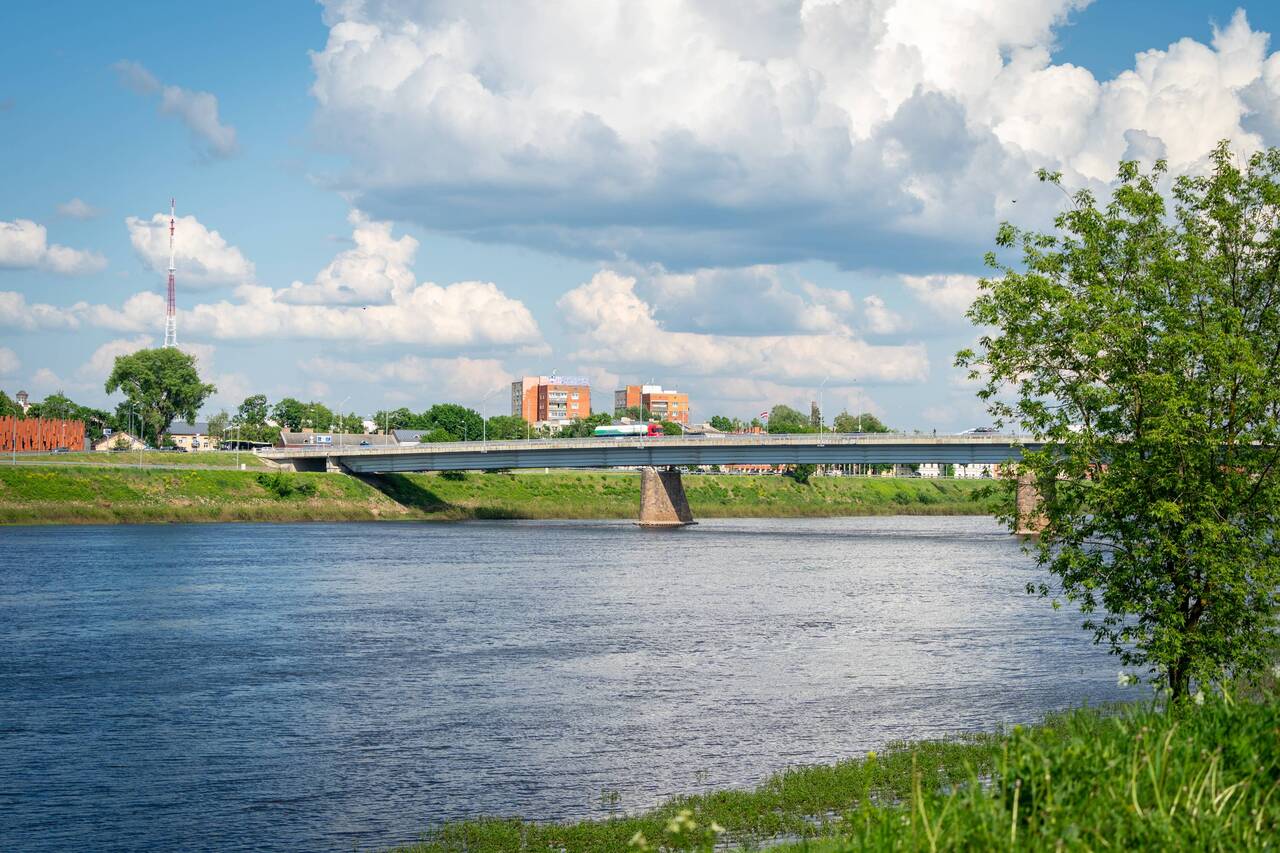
{"x":463,"y":315}
{"x":103,"y":360}
{"x":197,"y":110}
{"x":378,"y":267}
{"x":77,"y":208}
{"x":462,"y":379}
{"x":947,"y":296}
{"x":866,"y":133}
{"x":619,"y":329}
{"x":10,"y":364}
{"x":24,"y":245}
{"x":202,"y":256}
{"x":746,"y":300}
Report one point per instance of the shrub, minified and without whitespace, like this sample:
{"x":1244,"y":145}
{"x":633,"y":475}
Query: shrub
{"x":283,"y":486}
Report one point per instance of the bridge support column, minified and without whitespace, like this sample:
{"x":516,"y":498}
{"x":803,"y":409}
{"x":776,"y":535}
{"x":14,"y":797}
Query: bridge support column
{"x":1030,"y":519}
{"x":662,"y":500}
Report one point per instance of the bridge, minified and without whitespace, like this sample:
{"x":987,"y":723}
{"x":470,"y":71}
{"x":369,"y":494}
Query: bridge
{"x":662,"y":494}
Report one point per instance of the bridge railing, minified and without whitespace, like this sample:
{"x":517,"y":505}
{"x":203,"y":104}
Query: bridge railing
{"x":687,"y":440}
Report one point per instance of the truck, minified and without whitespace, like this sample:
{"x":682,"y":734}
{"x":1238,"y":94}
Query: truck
{"x":623,"y":430}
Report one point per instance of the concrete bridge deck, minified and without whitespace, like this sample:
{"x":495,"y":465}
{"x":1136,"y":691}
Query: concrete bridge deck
{"x":662,"y":498}
{"x":658,"y":452}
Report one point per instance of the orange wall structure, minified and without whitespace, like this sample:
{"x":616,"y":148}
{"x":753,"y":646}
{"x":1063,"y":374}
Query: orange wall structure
{"x":37,"y":434}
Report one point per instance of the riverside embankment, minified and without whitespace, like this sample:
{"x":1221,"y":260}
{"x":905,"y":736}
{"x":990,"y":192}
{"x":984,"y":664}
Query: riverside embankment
{"x":69,"y":494}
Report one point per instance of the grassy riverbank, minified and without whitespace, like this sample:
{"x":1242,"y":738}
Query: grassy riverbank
{"x":208,"y":459}
{"x":1205,"y":778}
{"x":70,"y":494}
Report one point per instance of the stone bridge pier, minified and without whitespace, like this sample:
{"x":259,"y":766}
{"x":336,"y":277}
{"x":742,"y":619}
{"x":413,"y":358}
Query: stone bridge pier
{"x":662,"y":499}
{"x":1030,"y":519}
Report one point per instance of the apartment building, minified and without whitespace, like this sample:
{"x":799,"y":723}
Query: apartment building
{"x":665,"y":405}
{"x":551,"y":398}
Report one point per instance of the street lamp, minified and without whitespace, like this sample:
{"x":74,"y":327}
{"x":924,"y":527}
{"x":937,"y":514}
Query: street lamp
{"x":484,"y":414}
{"x":822,"y":412}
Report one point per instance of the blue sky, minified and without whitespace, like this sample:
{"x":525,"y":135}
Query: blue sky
{"x":749,"y":207}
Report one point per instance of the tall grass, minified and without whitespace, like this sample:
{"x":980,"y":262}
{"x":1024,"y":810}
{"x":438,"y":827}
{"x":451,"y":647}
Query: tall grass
{"x":71,"y":494}
{"x":1139,"y":778}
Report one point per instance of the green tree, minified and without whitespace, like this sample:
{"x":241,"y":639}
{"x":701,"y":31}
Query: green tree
{"x":507,"y":428}
{"x":437,"y":435}
{"x":290,"y":414}
{"x":801,"y":473}
{"x":253,"y":412}
{"x":395,"y":419}
{"x":466,"y":424}
{"x":55,"y":407}
{"x":784,"y":419}
{"x":351,"y":424}
{"x":721,"y":423}
{"x":218,"y":425}
{"x":162,"y":384}
{"x":584,"y":427}
{"x":636,"y":413}
{"x":672,"y":428}
{"x":865,"y":422}
{"x":1143,"y":347}
{"x":9,"y":407}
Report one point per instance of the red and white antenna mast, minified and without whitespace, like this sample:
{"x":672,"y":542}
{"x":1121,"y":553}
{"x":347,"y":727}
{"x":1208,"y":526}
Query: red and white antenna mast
{"x":171,"y":312}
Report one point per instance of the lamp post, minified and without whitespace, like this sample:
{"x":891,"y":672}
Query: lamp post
{"x":484,"y":414}
{"x":822,"y":411}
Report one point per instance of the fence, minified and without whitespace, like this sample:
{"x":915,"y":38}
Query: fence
{"x":39,"y":434}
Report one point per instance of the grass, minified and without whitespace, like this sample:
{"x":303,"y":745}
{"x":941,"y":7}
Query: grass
{"x":85,"y":494}
{"x":1135,"y":778}
{"x":209,"y":459}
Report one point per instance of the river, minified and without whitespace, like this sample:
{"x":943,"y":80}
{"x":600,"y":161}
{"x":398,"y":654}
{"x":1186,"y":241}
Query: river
{"x":288,"y":687}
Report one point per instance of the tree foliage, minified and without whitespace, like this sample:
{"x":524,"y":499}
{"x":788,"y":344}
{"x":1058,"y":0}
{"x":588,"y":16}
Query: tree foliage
{"x":784,"y":419}
{"x":865,"y":422}
{"x":162,"y":384}
{"x":1144,"y":347}
{"x":507,"y":428}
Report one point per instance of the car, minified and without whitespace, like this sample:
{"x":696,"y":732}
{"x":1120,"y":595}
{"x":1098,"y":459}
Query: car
{"x":61,"y":450}
{"x":983,"y":430}
{"x":365,"y":444}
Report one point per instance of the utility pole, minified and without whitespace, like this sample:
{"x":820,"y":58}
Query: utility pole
{"x":171,"y":309}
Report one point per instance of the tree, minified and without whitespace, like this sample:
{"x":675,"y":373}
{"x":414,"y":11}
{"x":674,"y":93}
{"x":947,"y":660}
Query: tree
{"x":252,"y":412}
{"x":464,"y":423}
{"x":290,"y":414}
{"x":350,"y":424}
{"x":585,"y":427}
{"x":1144,"y":348}
{"x":801,"y":473}
{"x":865,"y":422}
{"x":721,"y":423}
{"x":783,"y":419}
{"x":218,"y":425}
{"x":400,"y":418}
{"x":672,"y":428}
{"x":437,"y":435}
{"x":162,"y":384}
{"x":636,"y":413}
{"x":9,"y":407}
{"x":507,"y":428}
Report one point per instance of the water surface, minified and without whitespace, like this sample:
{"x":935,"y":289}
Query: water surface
{"x":293,"y":687}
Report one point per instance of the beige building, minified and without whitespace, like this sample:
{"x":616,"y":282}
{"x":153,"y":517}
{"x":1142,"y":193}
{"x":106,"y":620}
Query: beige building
{"x":118,"y":441}
{"x":191,"y":437}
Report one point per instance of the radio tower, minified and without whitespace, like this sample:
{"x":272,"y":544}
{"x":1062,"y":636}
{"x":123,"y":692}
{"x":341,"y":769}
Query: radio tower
{"x":171,"y":312}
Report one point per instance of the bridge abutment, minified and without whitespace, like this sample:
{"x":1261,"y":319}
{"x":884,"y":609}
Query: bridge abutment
{"x":662,"y":499}
{"x":1030,"y":519}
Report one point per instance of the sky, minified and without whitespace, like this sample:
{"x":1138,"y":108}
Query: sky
{"x":388,"y":203}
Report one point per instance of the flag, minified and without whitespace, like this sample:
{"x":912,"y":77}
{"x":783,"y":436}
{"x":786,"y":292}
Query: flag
{"x":764,"y":416}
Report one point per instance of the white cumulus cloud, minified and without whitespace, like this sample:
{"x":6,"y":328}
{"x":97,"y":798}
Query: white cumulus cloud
{"x":703,"y":134}
{"x":25,"y":245}
{"x":197,"y":110}
{"x":9,"y":362}
{"x":77,"y":208}
{"x":618,"y":328}
{"x":202,"y":256}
